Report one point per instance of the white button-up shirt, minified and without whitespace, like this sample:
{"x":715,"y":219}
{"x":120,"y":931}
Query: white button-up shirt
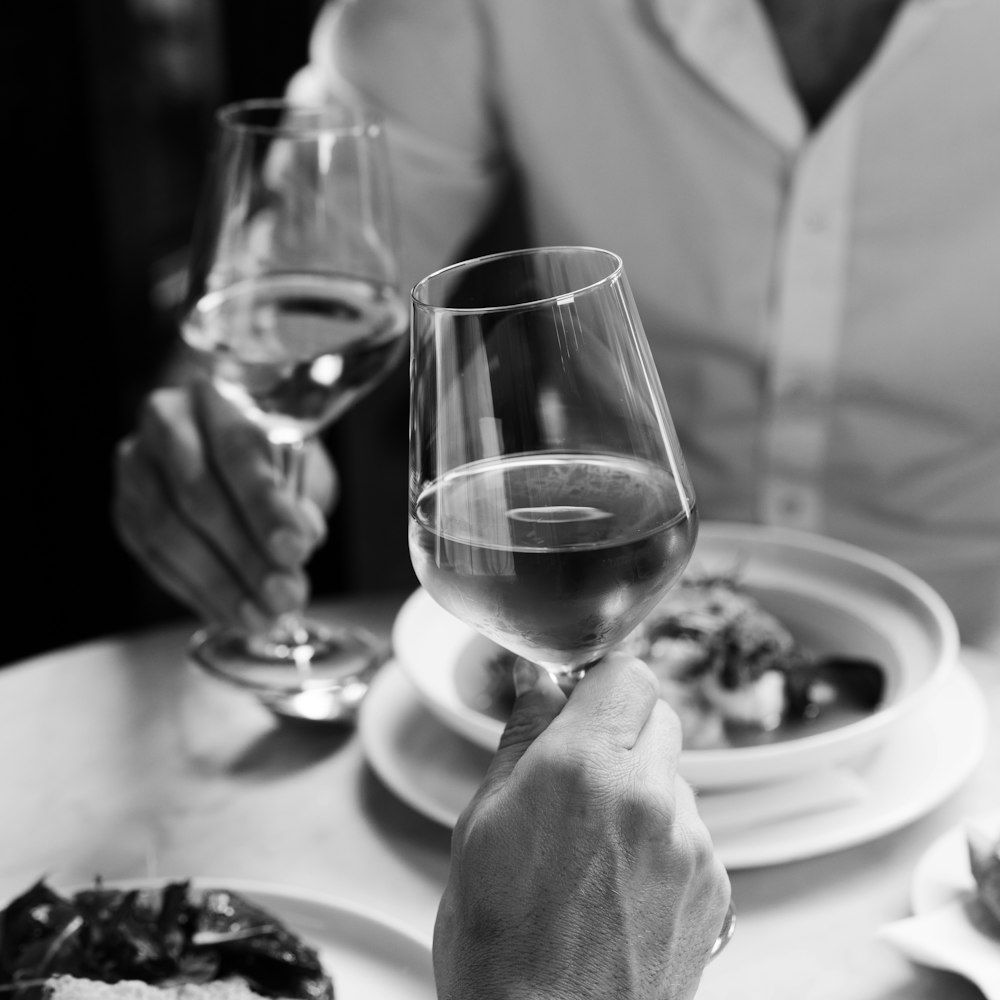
{"x":824,"y":306}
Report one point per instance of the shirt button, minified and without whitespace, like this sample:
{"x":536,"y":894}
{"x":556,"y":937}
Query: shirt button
{"x":797,"y":390}
{"x":817,"y":220}
{"x":792,"y":506}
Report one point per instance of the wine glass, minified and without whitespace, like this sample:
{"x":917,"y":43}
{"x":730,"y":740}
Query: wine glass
{"x":294,"y":307}
{"x":550,"y":507}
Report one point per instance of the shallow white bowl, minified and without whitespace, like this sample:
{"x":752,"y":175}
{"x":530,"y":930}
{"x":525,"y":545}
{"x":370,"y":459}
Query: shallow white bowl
{"x":836,"y":598}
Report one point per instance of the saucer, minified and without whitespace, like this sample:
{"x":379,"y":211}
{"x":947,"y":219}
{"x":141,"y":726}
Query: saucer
{"x":942,"y":874}
{"x":436,"y":771}
{"x":367,"y":954}
{"x":946,"y":930}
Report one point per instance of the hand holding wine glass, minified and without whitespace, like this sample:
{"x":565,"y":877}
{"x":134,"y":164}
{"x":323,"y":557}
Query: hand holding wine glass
{"x":549,"y":504}
{"x":564,"y":846}
{"x":295,"y":309}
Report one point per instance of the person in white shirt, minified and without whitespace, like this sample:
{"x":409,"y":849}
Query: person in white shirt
{"x":806,"y":198}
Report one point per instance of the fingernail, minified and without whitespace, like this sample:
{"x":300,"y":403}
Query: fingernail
{"x":288,"y":547}
{"x":314,"y":518}
{"x":283,"y":592}
{"x":526,"y":676}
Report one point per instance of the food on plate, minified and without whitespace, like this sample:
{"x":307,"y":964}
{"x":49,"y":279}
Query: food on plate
{"x":984,"y":860}
{"x":734,"y":673}
{"x":75,"y":988}
{"x":161,"y":936}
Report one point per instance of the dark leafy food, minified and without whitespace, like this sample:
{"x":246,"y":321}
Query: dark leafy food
{"x":984,"y":861}
{"x":161,"y":936}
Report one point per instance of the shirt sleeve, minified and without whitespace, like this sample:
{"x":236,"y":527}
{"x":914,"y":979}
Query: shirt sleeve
{"x":423,"y":66}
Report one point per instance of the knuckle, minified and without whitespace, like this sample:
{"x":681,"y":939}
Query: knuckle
{"x":134,"y":474}
{"x":125,"y":468}
{"x":703,"y":857}
{"x":666,"y":719}
{"x":125,"y":451}
{"x":588,"y":776}
{"x":695,"y":857}
{"x":633,"y":677}
{"x":642,"y":677}
{"x":159,"y":412}
{"x":475,"y":831}
{"x":266,"y":505}
{"x":645,"y":806}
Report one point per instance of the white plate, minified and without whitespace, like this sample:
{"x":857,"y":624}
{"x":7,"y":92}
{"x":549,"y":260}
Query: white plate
{"x":366,"y":954}
{"x":942,"y":874}
{"x":833,"y":596}
{"x":436,"y":771}
{"x":944,"y":931}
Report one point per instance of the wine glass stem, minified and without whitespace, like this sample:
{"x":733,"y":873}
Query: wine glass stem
{"x":290,"y":465}
{"x":568,"y":678}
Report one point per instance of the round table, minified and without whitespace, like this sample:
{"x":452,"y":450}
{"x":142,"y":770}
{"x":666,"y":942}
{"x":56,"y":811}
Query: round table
{"x":121,"y":760}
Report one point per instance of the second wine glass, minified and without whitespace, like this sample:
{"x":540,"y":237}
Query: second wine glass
{"x":295,"y":309}
{"x":550,"y":507}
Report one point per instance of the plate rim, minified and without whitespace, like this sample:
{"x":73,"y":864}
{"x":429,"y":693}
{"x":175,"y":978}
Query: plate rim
{"x":942,"y":873}
{"x":259,"y":889}
{"x":377,"y":745}
{"x":773,"y":849}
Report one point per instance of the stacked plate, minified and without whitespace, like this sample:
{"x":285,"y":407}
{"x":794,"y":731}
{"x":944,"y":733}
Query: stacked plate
{"x":432,"y":719}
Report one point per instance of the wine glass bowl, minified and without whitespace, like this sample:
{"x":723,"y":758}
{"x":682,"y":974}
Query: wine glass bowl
{"x":550,"y":507}
{"x":549,"y":504}
{"x":294,"y":310}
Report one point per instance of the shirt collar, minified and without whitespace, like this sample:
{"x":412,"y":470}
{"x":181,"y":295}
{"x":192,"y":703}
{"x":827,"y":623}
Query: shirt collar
{"x":729,"y":43}
{"x":672,"y":14}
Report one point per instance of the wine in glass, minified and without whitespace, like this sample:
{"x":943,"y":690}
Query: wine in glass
{"x":550,"y":507}
{"x":295,"y":308}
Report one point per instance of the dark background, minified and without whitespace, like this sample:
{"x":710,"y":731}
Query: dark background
{"x":107,"y":106}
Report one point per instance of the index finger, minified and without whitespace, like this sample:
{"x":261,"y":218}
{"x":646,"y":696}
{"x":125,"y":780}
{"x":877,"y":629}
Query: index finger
{"x":243,"y":460}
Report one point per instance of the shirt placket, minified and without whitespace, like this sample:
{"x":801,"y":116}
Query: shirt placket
{"x":805,"y":323}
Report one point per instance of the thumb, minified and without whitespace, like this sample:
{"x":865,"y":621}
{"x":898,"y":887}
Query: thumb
{"x":539,"y":700}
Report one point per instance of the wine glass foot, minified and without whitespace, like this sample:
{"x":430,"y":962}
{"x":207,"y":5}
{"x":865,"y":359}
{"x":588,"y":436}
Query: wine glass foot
{"x":318,"y":673}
